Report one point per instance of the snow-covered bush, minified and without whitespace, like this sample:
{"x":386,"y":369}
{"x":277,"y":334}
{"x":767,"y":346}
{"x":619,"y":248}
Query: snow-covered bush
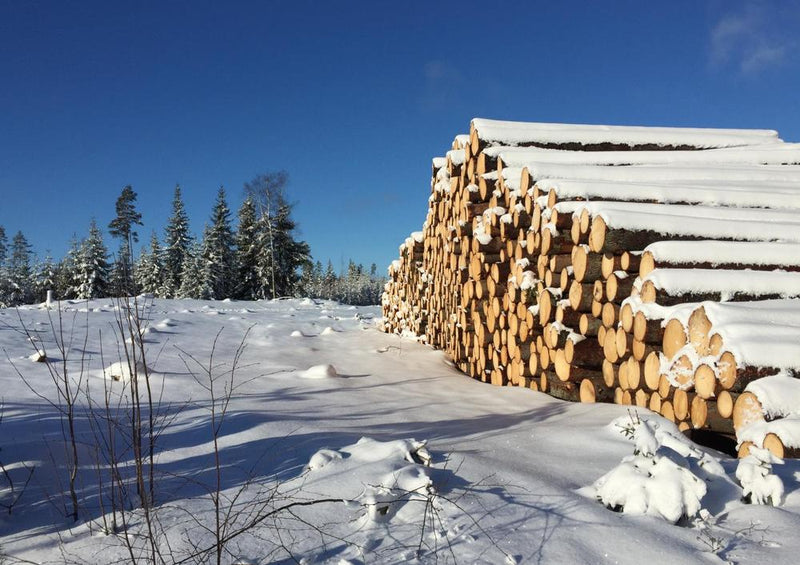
{"x":665,"y":477}
{"x":759,"y":484}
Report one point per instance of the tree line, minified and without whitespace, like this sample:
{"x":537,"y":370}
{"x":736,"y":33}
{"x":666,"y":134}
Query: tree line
{"x":260,"y":257}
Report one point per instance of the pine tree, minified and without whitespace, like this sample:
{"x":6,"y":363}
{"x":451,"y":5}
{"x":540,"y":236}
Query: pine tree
{"x":19,"y":270}
{"x":122,"y":227}
{"x":248,"y":283}
{"x":92,"y":269}
{"x":218,"y":251}
{"x":177,"y":242}
{"x":149,"y":271}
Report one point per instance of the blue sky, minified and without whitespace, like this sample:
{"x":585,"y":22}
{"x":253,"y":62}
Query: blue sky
{"x":351,"y":98}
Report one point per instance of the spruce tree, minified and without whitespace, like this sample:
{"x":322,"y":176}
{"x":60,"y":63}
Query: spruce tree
{"x":3,"y":246}
{"x":195,"y":275}
{"x":330,"y":283}
{"x":92,"y":269}
{"x":218,"y":252}
{"x":67,"y":272}
{"x":5,"y":286}
{"x":19,"y":270}
{"x":280,"y":255}
{"x":248,"y":283}
{"x":122,"y":227}
{"x":289,"y":254}
{"x":177,"y":242}
{"x":45,"y":279}
{"x":149,"y":270}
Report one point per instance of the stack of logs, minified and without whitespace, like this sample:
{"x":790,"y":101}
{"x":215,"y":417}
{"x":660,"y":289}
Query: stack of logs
{"x":573,"y":260}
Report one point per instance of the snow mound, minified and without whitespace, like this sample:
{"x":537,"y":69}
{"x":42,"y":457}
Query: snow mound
{"x":395,"y":474}
{"x":297,"y":333}
{"x":320,"y":372}
{"x":328,"y":331}
{"x":38,"y":357}
{"x":666,"y":476}
{"x":322,"y":458}
{"x":759,"y":484}
{"x":121,"y":370}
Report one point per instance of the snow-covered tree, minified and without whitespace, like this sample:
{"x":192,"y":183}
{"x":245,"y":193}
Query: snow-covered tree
{"x":66,"y":273}
{"x":311,"y":280}
{"x":19,"y":271}
{"x":45,"y":278}
{"x":3,"y":246}
{"x":92,"y":268}
{"x":177,"y":242}
{"x":248,"y":283}
{"x":289,"y":254}
{"x":280,"y":255}
{"x":149,"y":270}
{"x":330,"y":287}
{"x":218,"y":250}
{"x":195,"y":275}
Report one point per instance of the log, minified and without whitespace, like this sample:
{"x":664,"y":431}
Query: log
{"x":680,"y":404}
{"x":593,"y":391}
{"x":616,"y":240}
{"x":589,"y":325}
{"x":568,"y":372}
{"x":705,"y":381}
{"x":698,"y":329}
{"x":609,"y":371}
{"x":647,"y":330}
{"x":674,"y":339}
{"x":746,"y":411}
{"x":775,"y":445}
{"x":580,"y":296}
{"x":585,"y":353}
{"x":652,"y":370}
{"x":586,"y":266}
{"x":618,"y":286}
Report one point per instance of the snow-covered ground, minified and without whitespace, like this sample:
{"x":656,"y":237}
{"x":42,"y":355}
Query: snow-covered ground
{"x":342,"y":444}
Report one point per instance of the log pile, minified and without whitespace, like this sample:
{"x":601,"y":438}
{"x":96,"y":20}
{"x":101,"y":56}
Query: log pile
{"x":580,"y":261}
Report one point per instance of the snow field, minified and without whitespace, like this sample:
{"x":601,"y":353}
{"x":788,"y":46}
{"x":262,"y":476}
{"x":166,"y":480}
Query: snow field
{"x":497,"y":481}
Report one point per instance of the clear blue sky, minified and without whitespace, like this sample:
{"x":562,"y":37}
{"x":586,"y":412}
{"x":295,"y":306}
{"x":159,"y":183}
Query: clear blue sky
{"x":352,"y":98}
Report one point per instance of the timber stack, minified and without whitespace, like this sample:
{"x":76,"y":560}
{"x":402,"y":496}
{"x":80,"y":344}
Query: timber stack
{"x":656,"y":267}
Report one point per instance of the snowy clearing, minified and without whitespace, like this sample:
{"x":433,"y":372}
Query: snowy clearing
{"x":384,"y":453}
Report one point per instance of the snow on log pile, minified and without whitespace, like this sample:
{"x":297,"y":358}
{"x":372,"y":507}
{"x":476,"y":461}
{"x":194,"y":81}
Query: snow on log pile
{"x":651,"y":266}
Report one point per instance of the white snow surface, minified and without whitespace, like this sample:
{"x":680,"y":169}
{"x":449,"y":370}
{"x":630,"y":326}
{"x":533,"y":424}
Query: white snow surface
{"x":779,"y":395}
{"x":498,"y":477}
{"x":728,"y":282}
{"x":675,"y":173}
{"x":726,"y":252}
{"x":497,"y":132}
{"x":772,"y":154}
{"x":762,"y":333}
{"x":699,"y":221}
{"x":761,"y":195}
